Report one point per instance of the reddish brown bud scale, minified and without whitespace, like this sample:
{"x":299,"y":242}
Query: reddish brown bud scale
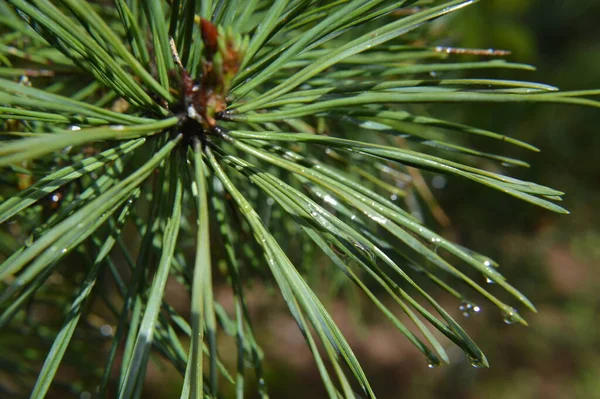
{"x":232,"y":60}
{"x":209,"y":37}
{"x":205,"y":100}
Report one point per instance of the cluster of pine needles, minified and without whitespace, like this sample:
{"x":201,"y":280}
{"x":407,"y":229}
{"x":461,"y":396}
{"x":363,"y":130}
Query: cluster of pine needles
{"x":238,"y":142}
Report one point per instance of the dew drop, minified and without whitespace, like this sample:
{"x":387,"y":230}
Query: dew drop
{"x":469,"y":308}
{"x":261,"y":383}
{"x":377,"y":219}
{"x":330,"y":200}
{"x":510,"y":316}
{"x":432,"y":365}
{"x":487,"y":264}
{"x":475,"y":362}
{"x":367,"y":251}
{"x":433,"y":74}
{"x":63,"y":251}
{"x":438,"y":182}
{"x":435,"y":242}
{"x":106,"y":330}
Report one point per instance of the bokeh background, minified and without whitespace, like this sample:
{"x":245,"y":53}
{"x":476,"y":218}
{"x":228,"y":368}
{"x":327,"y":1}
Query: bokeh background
{"x":553,"y":259}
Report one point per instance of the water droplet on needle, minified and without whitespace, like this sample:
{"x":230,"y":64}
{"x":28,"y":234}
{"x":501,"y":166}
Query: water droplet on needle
{"x":469,"y":308}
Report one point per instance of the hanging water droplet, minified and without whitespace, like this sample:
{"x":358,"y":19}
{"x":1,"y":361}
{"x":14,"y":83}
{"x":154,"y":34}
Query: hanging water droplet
{"x":63,"y":251}
{"x":510,"y":316}
{"x":330,"y":200}
{"x":435,"y":243}
{"x":394,"y":197}
{"x":438,"y":182}
{"x":377,"y":219}
{"x":487,"y":264}
{"x":475,"y":362}
{"x":367,"y":251}
{"x":106,"y":330}
{"x":432,"y":365}
{"x":469,"y":308}
{"x":433,"y":74}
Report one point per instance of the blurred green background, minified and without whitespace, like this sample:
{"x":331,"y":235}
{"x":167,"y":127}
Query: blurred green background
{"x":552,"y":258}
